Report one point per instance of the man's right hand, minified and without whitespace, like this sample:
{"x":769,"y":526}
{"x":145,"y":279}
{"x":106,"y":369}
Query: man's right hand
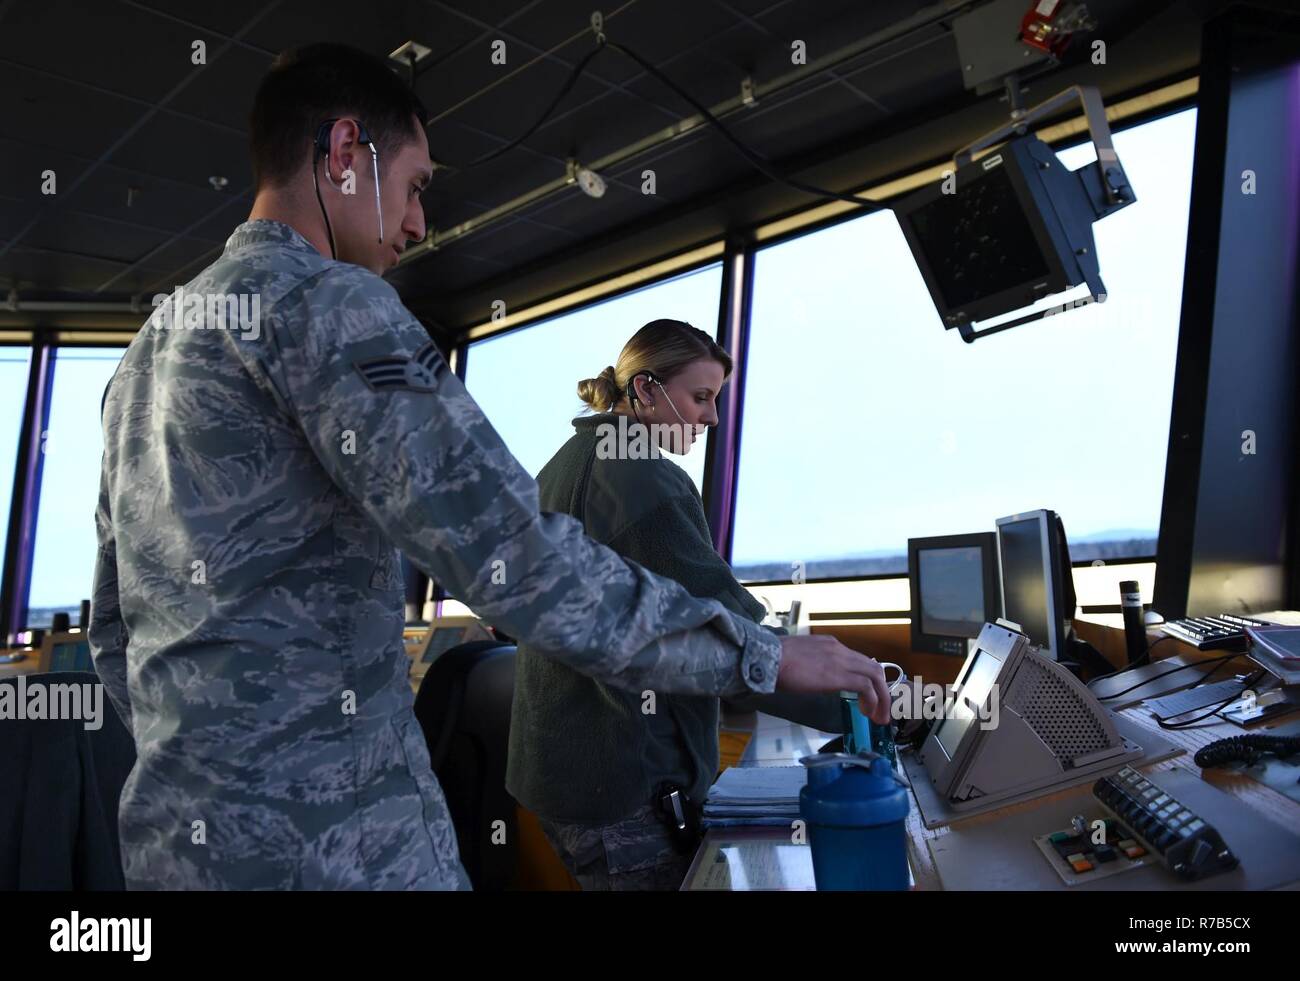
{"x":820,"y":663}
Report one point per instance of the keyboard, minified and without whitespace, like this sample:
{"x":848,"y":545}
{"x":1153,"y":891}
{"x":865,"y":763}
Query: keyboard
{"x":1222,"y":633}
{"x":1185,"y":844}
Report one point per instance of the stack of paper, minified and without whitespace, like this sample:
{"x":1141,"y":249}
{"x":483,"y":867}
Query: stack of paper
{"x":1278,"y":650}
{"x":760,"y":795}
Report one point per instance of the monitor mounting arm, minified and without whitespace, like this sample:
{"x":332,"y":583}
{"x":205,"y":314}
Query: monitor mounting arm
{"x":1104,"y":183}
{"x":1111,"y":187}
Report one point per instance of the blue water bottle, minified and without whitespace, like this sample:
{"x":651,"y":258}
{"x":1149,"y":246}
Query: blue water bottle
{"x":855,"y":809}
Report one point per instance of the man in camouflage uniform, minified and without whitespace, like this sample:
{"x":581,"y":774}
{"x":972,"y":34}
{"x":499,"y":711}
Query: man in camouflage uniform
{"x":248,"y":607}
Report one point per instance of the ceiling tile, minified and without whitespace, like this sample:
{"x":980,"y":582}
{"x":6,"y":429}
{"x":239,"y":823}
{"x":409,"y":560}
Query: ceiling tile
{"x":192,"y":151}
{"x":226,"y":96}
{"x":63,"y":115}
{"x":227,"y":17}
{"x":81,"y":54}
{"x":165,"y":204}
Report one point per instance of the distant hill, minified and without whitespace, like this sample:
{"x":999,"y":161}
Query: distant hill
{"x":1119,"y":545}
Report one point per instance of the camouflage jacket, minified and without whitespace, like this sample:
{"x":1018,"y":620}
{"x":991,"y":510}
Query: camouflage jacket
{"x":247,"y":615}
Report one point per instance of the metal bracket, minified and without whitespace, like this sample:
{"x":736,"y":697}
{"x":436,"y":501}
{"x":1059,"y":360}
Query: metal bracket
{"x":970,"y":335}
{"x":1113,"y":181}
{"x":1015,"y":104}
{"x":598,"y":26}
{"x":591,"y":183}
{"x":747,"y":96}
{"x":408,"y":57}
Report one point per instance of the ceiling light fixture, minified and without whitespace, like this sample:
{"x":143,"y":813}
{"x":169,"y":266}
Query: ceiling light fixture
{"x":592,"y":184}
{"x":406,"y":60}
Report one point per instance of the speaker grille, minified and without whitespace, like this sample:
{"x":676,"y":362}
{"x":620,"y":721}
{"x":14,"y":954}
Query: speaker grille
{"x":1067,"y":725}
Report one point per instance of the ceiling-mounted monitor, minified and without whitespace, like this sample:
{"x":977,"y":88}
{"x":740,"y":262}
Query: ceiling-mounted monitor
{"x":1000,"y":233}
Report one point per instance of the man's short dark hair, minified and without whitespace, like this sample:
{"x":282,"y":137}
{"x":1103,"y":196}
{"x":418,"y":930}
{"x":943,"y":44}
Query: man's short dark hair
{"x":308,"y":85}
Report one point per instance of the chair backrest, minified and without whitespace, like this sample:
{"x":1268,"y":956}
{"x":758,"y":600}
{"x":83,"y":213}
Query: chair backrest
{"x":60,"y":783}
{"x":463,"y":706}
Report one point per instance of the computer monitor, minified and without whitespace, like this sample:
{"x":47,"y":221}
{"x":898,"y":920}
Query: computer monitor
{"x":955,"y":590}
{"x":1034,"y":575}
{"x":66,"y":652}
{"x":444,"y":633}
{"x":1014,"y":226}
{"x":982,"y":242}
{"x":441,"y":640}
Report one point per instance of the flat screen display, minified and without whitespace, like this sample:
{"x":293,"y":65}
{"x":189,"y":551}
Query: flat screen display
{"x":951,"y":590}
{"x":975,"y":686}
{"x":978,"y":240}
{"x":73,"y":656}
{"x":443,"y":640}
{"x":1024,"y":578}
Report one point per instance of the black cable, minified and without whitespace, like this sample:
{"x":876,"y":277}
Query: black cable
{"x":1142,"y":662}
{"x":630,"y":395}
{"x":315,"y":157}
{"x":1166,"y":674}
{"x":1246,"y":749}
{"x":1252,"y":680}
{"x":577,"y":71}
{"x":757,"y":160}
{"x":1146,"y":658}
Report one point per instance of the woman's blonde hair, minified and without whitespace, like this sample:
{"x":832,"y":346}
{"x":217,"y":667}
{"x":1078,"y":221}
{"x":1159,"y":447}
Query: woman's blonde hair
{"x":661,"y":347}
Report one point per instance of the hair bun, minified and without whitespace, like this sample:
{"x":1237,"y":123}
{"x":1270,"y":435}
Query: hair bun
{"x":601,"y":392}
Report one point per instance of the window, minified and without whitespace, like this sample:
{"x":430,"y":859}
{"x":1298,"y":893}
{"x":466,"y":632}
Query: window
{"x":526,"y":381}
{"x":866,"y":423}
{"x":15,"y":363}
{"x":63,"y":563}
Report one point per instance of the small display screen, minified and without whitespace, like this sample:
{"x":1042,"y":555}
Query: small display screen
{"x":74,"y":656}
{"x":975,"y":687}
{"x":443,"y":640}
{"x":978,"y":241}
{"x":951,"y":591}
{"x":1024,"y":578}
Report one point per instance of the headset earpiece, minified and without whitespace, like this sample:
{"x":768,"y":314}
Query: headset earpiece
{"x":322,"y":146}
{"x":631,"y":385}
{"x":323,"y":135}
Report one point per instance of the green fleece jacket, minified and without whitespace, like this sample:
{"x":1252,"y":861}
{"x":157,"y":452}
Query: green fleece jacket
{"x":581,"y":750}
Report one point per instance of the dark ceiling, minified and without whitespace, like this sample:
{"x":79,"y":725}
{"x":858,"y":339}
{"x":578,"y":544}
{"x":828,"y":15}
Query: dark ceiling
{"x":106,"y":96}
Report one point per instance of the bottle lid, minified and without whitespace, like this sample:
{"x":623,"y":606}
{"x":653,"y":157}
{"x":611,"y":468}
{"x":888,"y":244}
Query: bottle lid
{"x":852,"y":790}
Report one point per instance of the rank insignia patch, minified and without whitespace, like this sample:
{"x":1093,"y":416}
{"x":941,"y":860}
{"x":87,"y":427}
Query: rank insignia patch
{"x":412,"y":374}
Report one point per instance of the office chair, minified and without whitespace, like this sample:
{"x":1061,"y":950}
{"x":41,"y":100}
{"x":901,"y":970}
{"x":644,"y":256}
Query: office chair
{"x":59,"y":788}
{"x":463,"y":706}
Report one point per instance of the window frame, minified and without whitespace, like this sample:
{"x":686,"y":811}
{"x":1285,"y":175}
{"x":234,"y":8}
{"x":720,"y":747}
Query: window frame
{"x":1063,"y":143}
{"x":29,"y":466}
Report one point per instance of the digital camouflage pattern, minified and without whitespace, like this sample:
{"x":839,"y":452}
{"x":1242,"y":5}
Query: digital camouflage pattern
{"x":248,"y":605}
{"x":634,"y":854}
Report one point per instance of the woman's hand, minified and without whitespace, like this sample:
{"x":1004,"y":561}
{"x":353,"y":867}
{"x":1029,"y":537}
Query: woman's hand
{"x":819,"y":662}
